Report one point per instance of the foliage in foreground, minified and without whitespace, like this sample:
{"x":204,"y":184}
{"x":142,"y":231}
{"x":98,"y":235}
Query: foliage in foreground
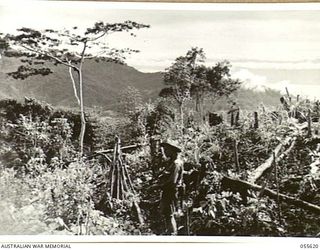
{"x":64,"y":194}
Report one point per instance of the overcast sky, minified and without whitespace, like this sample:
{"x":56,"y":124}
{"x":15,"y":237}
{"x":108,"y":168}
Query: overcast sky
{"x":275,"y":48}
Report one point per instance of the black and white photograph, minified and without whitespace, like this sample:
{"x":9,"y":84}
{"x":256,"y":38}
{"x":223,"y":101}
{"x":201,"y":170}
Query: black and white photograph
{"x":150,"y":119}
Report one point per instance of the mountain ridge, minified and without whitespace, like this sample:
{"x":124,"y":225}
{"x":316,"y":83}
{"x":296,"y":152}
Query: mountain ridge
{"x":103,"y":82}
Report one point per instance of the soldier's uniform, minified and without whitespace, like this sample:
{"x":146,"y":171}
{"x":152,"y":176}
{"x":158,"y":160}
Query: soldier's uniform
{"x":170,"y":181}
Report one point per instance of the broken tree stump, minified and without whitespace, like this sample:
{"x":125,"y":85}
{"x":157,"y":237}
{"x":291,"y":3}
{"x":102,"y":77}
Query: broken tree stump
{"x":256,"y":120}
{"x":234,"y":116}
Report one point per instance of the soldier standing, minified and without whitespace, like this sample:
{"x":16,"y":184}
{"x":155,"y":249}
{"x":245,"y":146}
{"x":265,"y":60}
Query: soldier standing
{"x":170,"y":181}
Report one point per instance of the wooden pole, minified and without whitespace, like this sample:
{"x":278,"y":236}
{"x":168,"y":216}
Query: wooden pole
{"x":289,"y":97}
{"x":118,"y":182}
{"x":309,"y":124}
{"x":236,"y":156}
{"x":287,"y":91}
{"x":128,"y":178}
{"x":121,"y":183}
{"x":237,"y":118}
{"x":123,"y":177}
{"x":113,"y":180}
{"x":232,"y":119}
{"x":256,"y":120}
{"x":110,"y":179}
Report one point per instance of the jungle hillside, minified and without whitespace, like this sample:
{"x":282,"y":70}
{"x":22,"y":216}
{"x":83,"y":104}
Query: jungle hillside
{"x":82,"y":131}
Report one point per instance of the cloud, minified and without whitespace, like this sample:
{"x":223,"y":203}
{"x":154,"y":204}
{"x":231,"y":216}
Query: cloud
{"x":258,"y":82}
{"x":251,"y":80}
{"x":232,"y":35}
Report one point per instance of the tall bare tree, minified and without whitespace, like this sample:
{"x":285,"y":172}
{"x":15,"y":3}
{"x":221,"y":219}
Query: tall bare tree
{"x":70,"y":48}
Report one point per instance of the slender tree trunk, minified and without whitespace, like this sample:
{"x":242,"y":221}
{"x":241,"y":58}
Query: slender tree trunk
{"x":181,"y":112}
{"x":83,"y":119}
{"x":80,"y":102}
{"x":256,"y":120}
{"x":309,"y":123}
{"x":75,"y":90}
{"x":82,"y":114}
{"x":236,"y":156}
{"x":237,"y":118}
{"x":199,"y":99}
{"x":202,"y":106}
{"x":232,"y":119}
{"x":197,"y":102}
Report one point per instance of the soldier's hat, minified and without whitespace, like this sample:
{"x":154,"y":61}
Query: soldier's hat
{"x":172,"y":145}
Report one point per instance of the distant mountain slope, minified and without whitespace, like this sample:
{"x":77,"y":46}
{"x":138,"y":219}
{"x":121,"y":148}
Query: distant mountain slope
{"x":250,"y":99}
{"x":102,"y":83}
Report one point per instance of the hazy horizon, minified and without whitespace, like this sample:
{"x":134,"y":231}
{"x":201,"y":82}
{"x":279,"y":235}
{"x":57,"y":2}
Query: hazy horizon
{"x":273,"y":48}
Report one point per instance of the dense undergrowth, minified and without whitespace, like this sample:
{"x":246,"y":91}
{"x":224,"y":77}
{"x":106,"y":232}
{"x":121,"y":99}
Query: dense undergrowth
{"x":46,"y":188}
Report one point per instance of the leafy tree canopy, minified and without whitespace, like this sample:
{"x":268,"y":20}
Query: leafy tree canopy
{"x":189,"y":77}
{"x":67,"y":47}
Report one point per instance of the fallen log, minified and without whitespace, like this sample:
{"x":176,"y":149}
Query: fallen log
{"x":280,"y":158}
{"x":122,"y":148}
{"x":259,"y":171}
{"x":267,"y":165}
{"x":272,"y":194}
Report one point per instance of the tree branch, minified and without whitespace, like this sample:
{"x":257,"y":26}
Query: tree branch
{"x":122,"y":148}
{"x":94,"y":56}
{"x":83,"y":50}
{"x":83,"y":119}
{"x":51,"y":56}
{"x":74,"y":85}
{"x":98,"y":37}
